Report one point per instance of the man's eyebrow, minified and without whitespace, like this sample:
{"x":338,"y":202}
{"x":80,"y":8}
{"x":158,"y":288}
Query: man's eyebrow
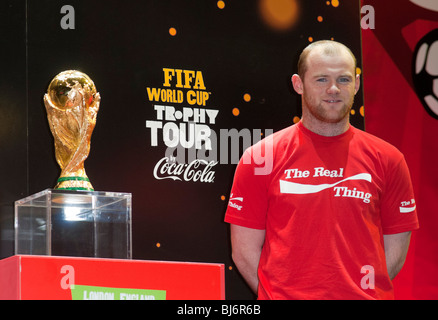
{"x":323,"y":75}
{"x":347,"y":75}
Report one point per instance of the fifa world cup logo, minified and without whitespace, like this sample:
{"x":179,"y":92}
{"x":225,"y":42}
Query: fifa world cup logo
{"x":72,"y":103}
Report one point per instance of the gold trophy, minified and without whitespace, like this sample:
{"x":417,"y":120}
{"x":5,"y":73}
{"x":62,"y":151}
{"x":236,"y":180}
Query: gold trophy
{"x":72,"y":103}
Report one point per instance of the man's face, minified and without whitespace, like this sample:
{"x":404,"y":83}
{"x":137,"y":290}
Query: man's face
{"x":329,"y":85}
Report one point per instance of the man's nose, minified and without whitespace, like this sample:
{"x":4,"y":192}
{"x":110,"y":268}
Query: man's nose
{"x":333,"y":88}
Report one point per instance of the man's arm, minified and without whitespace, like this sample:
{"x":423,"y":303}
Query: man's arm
{"x":396,"y":248}
{"x":247,"y":246}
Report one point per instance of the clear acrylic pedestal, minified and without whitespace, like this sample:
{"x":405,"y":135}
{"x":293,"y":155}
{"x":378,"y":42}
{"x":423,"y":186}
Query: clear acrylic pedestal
{"x":74,"y":223}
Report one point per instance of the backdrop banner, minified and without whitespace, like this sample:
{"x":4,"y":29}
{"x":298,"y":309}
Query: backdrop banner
{"x":400,"y":64}
{"x":185,"y":87}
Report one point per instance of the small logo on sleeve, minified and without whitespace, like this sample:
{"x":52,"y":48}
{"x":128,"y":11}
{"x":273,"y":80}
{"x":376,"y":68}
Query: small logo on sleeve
{"x":233,"y":204}
{"x":407,"y":206}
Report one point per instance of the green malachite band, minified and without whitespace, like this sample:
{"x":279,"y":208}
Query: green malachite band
{"x":78,"y":188}
{"x":62,"y":179}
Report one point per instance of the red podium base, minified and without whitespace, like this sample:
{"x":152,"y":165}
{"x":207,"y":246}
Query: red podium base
{"x":27,"y":277}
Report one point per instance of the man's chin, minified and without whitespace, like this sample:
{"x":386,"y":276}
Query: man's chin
{"x":334,"y":117}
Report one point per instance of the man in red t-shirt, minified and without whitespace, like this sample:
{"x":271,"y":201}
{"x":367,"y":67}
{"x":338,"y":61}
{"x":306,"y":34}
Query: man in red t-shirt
{"x":329,"y":212}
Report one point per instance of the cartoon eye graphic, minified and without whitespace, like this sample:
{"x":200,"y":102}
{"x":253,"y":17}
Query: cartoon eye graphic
{"x":425,"y":72}
{"x":426,"y":4}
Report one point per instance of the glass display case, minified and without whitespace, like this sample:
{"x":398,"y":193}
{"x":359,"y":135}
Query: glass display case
{"x":74,"y":223}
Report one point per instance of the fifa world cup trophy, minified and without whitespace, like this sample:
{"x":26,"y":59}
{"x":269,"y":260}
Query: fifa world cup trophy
{"x":72,"y":103}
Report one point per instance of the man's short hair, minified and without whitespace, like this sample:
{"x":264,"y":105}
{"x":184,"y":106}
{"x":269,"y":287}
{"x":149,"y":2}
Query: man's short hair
{"x":330,"y":48}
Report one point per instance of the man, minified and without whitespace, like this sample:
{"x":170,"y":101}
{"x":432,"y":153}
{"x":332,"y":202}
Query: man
{"x":332,"y":219}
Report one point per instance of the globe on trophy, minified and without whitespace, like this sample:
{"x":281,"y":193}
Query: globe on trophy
{"x":72,"y":103}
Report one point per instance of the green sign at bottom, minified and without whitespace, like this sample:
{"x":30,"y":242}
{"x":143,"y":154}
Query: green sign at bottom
{"x":79,"y":292}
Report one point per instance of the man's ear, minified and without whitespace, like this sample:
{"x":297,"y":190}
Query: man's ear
{"x":297,"y":83}
{"x":357,"y":84}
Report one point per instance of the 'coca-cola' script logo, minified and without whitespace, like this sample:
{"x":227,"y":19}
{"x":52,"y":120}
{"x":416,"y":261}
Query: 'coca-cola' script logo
{"x":197,"y":170}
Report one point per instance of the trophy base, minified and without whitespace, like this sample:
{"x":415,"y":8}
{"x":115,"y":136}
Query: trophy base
{"x":74,"y":183}
{"x":72,"y":223}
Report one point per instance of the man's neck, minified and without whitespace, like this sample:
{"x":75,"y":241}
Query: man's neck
{"x":326,"y":129}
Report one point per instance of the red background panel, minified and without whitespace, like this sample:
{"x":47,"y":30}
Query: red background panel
{"x":39,"y":277}
{"x":394,"y":112}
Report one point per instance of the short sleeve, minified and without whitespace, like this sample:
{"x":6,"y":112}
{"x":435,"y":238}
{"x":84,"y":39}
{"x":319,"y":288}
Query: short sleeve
{"x":398,"y":206}
{"x":248,"y":201}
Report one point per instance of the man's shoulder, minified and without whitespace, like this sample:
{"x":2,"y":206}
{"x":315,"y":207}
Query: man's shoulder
{"x":376,"y":144}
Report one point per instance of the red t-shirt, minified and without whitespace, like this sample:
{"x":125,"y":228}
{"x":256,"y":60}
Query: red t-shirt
{"x":325,"y":203}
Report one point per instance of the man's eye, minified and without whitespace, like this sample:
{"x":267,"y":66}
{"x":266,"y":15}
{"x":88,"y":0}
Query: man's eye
{"x":321,"y":80}
{"x":344,"y":79}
